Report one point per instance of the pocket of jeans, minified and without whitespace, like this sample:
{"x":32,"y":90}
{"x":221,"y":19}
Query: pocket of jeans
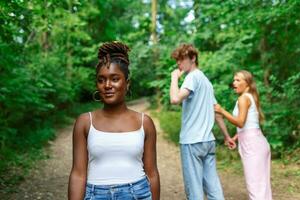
{"x":212,"y":147}
{"x":87,"y":195}
{"x":142,"y":191}
{"x":143,"y":195}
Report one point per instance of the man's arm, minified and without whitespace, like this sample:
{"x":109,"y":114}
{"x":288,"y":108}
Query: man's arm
{"x":177,"y":95}
{"x":228,"y":141}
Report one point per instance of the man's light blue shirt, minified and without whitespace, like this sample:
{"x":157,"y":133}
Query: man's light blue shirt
{"x":198,"y":114}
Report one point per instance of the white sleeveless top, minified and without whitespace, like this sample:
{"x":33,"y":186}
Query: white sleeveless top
{"x":252,"y":120}
{"x":115,"y":158}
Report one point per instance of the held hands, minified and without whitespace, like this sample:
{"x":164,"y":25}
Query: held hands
{"x":230,"y":143}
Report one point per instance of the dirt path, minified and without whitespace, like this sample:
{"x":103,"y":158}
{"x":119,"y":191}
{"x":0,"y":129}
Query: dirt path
{"x":49,"y":179}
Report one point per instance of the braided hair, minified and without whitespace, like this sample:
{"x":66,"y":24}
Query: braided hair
{"x":114,"y":52}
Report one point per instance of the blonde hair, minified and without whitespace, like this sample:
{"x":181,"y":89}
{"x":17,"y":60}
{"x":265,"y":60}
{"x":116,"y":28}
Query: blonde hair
{"x":248,"y":77}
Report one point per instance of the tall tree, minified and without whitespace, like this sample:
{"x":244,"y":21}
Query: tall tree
{"x":153,"y":21}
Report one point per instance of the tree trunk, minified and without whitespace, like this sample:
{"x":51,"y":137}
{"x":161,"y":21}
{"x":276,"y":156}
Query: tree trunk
{"x":153,"y":22}
{"x":155,"y":51}
{"x":263,"y":47}
{"x":68,"y":47}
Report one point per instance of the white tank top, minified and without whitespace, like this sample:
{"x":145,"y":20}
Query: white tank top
{"x":252,"y":120}
{"x":115,"y":158}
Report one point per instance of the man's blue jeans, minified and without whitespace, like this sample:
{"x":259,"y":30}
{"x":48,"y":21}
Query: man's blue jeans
{"x":199,"y":171}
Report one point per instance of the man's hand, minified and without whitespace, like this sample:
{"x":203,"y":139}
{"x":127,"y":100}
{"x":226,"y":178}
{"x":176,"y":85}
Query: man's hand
{"x":230,"y":143}
{"x":176,"y":74}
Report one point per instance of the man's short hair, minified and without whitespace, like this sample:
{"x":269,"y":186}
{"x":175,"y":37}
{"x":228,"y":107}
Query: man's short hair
{"x":183,"y":51}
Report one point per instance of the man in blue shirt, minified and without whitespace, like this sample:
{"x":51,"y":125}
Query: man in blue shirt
{"x":197,"y":142}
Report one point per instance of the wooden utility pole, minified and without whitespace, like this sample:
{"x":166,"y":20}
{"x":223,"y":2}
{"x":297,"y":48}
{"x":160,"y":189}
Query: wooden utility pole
{"x":153,"y":21}
{"x":154,"y":41}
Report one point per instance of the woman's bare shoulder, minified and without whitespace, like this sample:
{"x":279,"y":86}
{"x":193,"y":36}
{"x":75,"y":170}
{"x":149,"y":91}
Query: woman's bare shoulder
{"x":82,"y":123}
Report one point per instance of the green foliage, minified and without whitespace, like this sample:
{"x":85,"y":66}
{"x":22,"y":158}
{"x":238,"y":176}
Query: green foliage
{"x":19,"y":156}
{"x":141,"y":69}
{"x":170,"y":123}
{"x":228,"y":159}
{"x":258,"y":36}
{"x":48,"y":50}
{"x":282,"y":125}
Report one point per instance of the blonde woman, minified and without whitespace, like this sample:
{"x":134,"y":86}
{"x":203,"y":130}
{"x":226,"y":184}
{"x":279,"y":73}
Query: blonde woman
{"x":253,"y":146}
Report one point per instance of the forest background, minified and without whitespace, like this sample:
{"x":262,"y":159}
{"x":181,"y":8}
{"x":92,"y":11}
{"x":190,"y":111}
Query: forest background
{"x":48,"y":54}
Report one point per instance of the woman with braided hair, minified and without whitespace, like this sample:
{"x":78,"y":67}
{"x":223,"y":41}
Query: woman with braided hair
{"x":114,"y":148}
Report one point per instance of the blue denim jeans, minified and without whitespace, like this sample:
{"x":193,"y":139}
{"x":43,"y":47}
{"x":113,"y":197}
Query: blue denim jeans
{"x":199,"y":171}
{"x":139,"y":190}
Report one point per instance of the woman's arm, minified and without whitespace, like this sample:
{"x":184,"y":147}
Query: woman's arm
{"x":239,"y":121}
{"x":149,"y":157}
{"x":77,"y":179}
{"x":235,"y":137}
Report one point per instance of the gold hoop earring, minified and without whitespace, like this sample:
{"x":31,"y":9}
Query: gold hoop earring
{"x":94,"y":96}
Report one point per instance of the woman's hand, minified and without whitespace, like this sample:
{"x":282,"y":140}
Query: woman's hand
{"x":218,"y":108}
{"x":230,"y":143}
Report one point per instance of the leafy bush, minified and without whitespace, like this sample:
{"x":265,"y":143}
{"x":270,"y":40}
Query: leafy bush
{"x":170,"y":123}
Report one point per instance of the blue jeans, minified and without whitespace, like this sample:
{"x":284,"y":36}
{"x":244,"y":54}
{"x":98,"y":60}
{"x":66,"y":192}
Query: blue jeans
{"x":199,"y":171}
{"x":139,"y":190}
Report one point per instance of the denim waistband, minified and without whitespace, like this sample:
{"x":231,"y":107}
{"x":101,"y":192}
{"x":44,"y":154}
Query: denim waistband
{"x":144,"y":179}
